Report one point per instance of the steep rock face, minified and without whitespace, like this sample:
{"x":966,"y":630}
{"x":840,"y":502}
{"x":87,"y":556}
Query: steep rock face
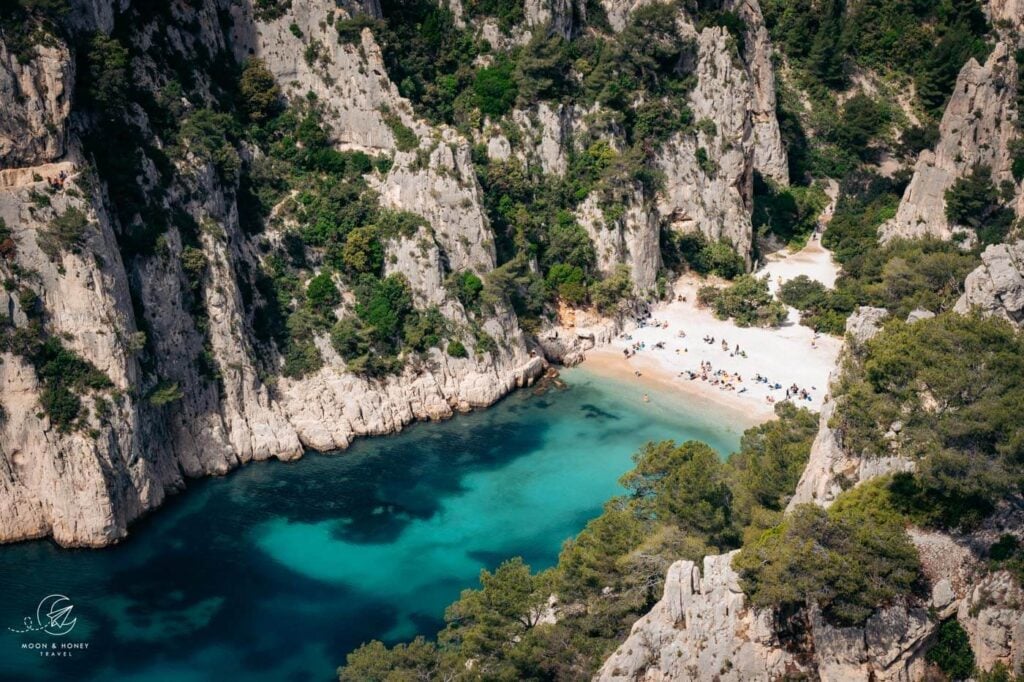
{"x":996,"y":287}
{"x":350,"y":79}
{"x":548,"y":130}
{"x":556,"y":14}
{"x":703,"y":628}
{"x":37,"y":102}
{"x":81,"y":487}
{"x":700,"y":630}
{"x":708,"y":171}
{"x":618,"y":11}
{"x":709,"y":176}
{"x":85,"y":487}
{"x":769,"y":153}
{"x":977,"y":127}
{"x":1008,"y":17}
{"x":631,"y":239}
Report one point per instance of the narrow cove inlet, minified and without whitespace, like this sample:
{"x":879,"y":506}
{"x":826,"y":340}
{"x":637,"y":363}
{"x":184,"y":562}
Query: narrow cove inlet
{"x":277,"y":570}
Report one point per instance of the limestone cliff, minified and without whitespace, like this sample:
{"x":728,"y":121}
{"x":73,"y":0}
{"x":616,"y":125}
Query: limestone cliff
{"x":703,"y":628}
{"x":158,"y":290}
{"x":84,"y":486}
{"x":978,"y":125}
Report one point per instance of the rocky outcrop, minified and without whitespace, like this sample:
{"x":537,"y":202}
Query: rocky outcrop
{"x":864,"y":323}
{"x":349,"y":79}
{"x":996,"y":287}
{"x":618,"y":11}
{"x":977,"y":127}
{"x":576,"y":332}
{"x":631,"y":238}
{"x":37,"y":101}
{"x":703,"y":629}
{"x":557,"y":15}
{"x":1008,"y":18}
{"x":769,"y":153}
{"x":830,"y":468}
{"x":709,"y":174}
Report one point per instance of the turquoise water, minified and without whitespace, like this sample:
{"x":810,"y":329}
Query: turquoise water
{"x":276,"y":571}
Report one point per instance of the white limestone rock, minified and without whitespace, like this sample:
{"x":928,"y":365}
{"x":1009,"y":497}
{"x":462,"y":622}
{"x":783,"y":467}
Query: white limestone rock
{"x":714,"y":200}
{"x":977,"y":127}
{"x":996,"y":287}
{"x":37,"y":101}
{"x":700,"y":630}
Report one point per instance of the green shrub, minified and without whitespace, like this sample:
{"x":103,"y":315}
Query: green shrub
{"x":259,"y":96}
{"x":973,"y":201}
{"x":321,"y":293}
{"x":269,"y":10}
{"x":747,"y":301}
{"x":682,"y":250}
{"x":164,"y":393}
{"x":770,"y":461}
{"x":848,"y":560}
{"x":108,"y":76}
{"x":363,"y":252}
{"x":194,"y":263}
{"x":383,"y":305}
{"x":467,"y":288}
{"x":965,"y":451}
{"x":1017,"y":159}
{"x":863,"y":120}
{"x":212,"y":136}
{"x":789,"y":213}
{"x":803,"y":293}
{"x":494,"y":88}
{"x":456,"y":349}
{"x":349,"y":340}
{"x":62,"y":372}
{"x":66,"y":232}
{"x":683,"y":485}
{"x":720,"y":258}
{"x":509,"y":13}
{"x":952,"y":651}
{"x":405,"y":137}
{"x":61,"y":406}
{"x":567,"y":282}
{"x":301,"y":358}
{"x":607,"y":293}
{"x":705,"y":162}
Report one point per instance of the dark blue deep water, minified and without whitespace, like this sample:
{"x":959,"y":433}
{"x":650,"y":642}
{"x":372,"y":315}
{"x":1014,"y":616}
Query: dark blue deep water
{"x":278,"y":570}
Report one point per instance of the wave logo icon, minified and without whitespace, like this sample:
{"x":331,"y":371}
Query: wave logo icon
{"x":53,"y":616}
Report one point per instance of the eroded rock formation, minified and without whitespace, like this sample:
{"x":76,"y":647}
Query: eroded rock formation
{"x":996,"y":287}
{"x":977,"y":128}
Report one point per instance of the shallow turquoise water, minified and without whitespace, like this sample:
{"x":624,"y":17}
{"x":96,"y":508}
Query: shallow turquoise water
{"x":277,"y":570}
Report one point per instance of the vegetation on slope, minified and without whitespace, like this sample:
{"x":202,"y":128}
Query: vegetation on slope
{"x":900,"y":276}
